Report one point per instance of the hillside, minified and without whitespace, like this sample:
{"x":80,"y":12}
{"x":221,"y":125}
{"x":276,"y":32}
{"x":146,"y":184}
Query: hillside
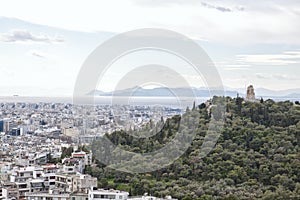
{"x":256,"y":157}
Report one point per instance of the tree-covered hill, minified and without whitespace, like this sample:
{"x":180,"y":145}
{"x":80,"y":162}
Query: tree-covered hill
{"x":256,"y":156}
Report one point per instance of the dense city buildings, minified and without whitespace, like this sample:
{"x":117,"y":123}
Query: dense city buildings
{"x":36,"y":138}
{"x":79,"y":122}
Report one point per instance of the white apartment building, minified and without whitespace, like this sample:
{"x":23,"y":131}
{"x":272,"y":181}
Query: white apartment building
{"x":101,"y":194}
{"x":51,"y":195}
{"x":9,"y":191}
{"x":83,"y":155}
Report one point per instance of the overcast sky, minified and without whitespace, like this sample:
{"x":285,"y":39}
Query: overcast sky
{"x":44,"y":43}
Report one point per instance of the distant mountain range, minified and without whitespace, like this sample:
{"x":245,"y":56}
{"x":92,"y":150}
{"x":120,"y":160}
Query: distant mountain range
{"x":199,"y":92}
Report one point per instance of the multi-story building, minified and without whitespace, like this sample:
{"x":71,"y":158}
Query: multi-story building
{"x":82,"y":183}
{"x":4,"y":125}
{"x":51,"y":195}
{"x":49,"y":176}
{"x":83,"y":155}
{"x":79,"y":196}
{"x":9,"y":191}
{"x":74,"y":182}
{"x":73,"y":165}
{"x":101,"y":194}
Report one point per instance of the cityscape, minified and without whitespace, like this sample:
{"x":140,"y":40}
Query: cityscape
{"x":149,"y":100}
{"x":35,"y":134}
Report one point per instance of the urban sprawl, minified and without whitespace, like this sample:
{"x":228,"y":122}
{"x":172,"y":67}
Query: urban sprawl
{"x":33,"y":134}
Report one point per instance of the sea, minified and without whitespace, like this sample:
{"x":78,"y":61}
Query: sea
{"x":172,"y":102}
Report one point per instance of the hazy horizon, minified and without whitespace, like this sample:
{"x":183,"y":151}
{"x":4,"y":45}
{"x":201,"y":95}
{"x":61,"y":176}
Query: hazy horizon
{"x":249,"y":42}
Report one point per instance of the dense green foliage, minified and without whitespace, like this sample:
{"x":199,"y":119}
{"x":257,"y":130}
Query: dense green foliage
{"x":66,"y":152}
{"x":256,"y":157}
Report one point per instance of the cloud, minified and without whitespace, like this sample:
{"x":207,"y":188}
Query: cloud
{"x":285,"y":58}
{"x":219,"y":8}
{"x":37,"y":54}
{"x":41,"y":55}
{"x":262,"y":76}
{"x":231,"y":66}
{"x":164,"y":3}
{"x":284,"y":77}
{"x":24,"y":36}
{"x":276,"y":76}
{"x":159,"y":3}
{"x":266,"y":22}
{"x":5,"y":72}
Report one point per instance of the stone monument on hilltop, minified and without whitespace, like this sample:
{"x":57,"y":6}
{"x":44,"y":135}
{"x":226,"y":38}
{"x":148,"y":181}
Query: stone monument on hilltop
{"x":250,"y":93}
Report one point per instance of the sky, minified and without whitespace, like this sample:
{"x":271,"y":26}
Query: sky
{"x":43,"y":44}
